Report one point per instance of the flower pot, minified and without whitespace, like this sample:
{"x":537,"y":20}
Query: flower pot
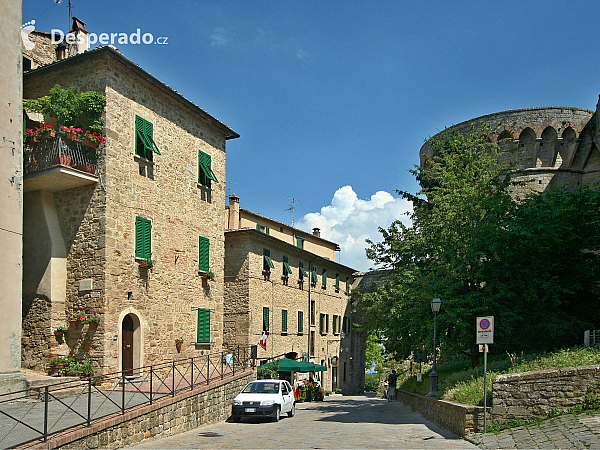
{"x":93,"y":325}
{"x":89,"y":143}
{"x":31,"y":139}
{"x":70,"y":135}
{"x":48,"y":134}
{"x":62,"y":159}
{"x":85,"y":167}
{"x":178,"y":347}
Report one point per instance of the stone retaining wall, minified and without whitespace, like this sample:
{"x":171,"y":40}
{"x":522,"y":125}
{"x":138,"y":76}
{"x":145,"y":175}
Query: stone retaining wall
{"x":537,"y":394}
{"x":165,"y":417}
{"x":460,"y":419}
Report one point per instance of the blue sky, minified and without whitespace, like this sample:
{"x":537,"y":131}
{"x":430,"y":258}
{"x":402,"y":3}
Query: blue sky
{"x":333,"y":99}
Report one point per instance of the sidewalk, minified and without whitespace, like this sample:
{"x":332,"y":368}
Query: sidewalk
{"x":568,"y":431}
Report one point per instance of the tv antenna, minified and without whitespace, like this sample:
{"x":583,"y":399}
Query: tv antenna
{"x":292,"y":207}
{"x":70,"y":14}
{"x":229,"y":183}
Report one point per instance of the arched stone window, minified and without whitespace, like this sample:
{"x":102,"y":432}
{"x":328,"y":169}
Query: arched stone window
{"x":526,"y":151}
{"x":546,"y":152}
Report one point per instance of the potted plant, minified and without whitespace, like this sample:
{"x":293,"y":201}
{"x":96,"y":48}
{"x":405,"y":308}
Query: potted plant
{"x":97,"y":381}
{"x":92,"y":322}
{"x":208,"y":276}
{"x":86,"y":368}
{"x":46,"y":131}
{"x":178,"y":343}
{"x":92,"y":139}
{"x":72,"y":133}
{"x":32,"y":135}
{"x":56,"y":364}
{"x":77,"y":318}
{"x":85,"y":167}
{"x":146,"y":263}
{"x":61,"y":330}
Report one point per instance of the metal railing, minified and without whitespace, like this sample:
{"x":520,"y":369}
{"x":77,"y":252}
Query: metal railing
{"x":40,"y":412}
{"x":59,"y":151}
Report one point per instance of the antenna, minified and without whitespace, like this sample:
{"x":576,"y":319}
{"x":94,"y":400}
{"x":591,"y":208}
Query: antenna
{"x":228,"y":190}
{"x":70,"y":15}
{"x":292,"y":207}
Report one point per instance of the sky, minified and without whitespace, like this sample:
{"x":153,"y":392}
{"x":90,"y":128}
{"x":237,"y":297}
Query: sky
{"x":333,"y":99}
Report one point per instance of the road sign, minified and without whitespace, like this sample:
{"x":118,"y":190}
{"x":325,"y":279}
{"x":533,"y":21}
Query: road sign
{"x":485,"y":330}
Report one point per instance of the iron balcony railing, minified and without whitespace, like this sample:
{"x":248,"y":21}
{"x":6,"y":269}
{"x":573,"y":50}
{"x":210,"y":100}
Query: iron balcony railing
{"x":40,"y":412}
{"x":59,"y":151}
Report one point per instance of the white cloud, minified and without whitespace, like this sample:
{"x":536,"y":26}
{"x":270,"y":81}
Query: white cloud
{"x":218,"y":38}
{"x":349,"y":221}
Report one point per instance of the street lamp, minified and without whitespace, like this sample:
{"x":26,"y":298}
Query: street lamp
{"x":436,"y":304}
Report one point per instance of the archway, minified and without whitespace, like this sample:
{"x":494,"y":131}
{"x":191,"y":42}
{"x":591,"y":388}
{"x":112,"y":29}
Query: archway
{"x":130,"y":342}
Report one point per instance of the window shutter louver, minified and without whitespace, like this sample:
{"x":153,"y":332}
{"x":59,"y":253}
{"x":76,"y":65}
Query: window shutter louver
{"x":300,"y":321}
{"x":203,"y":330}
{"x":284,"y":321}
{"x":203,"y":254}
{"x":265,"y":318}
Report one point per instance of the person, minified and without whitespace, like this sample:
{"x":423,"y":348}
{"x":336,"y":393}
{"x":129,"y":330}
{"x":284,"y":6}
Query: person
{"x":391,"y":391}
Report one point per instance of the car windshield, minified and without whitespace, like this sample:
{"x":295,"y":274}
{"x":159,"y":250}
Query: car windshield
{"x":261,"y":388}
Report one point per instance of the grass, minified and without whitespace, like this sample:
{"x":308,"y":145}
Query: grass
{"x":460,"y":383}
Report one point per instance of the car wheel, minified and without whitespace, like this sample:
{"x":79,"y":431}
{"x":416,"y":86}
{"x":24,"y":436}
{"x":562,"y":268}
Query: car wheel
{"x":276,"y":414}
{"x":292,"y":411}
{"x":236,"y":419}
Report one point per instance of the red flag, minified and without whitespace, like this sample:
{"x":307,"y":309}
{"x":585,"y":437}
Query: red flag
{"x":263,"y":340}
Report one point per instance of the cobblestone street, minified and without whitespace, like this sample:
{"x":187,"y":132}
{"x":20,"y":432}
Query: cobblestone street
{"x":568,"y":431}
{"x":338,"y":422}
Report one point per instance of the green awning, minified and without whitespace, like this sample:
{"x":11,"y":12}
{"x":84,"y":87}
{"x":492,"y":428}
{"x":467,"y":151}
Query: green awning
{"x":290,"y":365}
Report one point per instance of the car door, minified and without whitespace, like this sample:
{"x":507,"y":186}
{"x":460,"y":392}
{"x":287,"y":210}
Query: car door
{"x":287,"y":398}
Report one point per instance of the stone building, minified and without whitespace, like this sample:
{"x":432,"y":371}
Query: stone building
{"x":284,"y":280}
{"x":554,"y":146}
{"x":128,"y":233}
{"x":11,"y":196}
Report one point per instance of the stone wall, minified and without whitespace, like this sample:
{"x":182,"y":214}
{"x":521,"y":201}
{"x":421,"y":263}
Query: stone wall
{"x":165,"y":417}
{"x":460,"y":419}
{"x":537,"y":394}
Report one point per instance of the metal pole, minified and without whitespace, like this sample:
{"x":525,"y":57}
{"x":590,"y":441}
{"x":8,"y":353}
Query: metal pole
{"x":434,"y":375}
{"x":123,"y":393}
{"x":207,"y":369}
{"x":222,"y":361}
{"x":485,"y":352}
{"x":151,"y":372}
{"x":173,"y":382}
{"x":45,"y":413}
{"x":89,"y":414}
{"x":192,"y":374}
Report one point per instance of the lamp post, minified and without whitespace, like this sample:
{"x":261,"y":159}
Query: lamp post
{"x":436,"y":304}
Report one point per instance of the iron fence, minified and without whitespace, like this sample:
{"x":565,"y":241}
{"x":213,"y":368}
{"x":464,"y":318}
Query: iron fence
{"x":59,"y":151}
{"x":40,"y":412}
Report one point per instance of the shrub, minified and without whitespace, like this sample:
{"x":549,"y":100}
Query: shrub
{"x":371,"y":382}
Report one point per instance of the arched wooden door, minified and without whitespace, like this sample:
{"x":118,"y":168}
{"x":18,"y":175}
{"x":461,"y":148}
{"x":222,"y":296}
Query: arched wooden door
{"x":127,"y":346}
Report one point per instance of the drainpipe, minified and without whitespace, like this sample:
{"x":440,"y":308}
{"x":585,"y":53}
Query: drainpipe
{"x":309,"y":308}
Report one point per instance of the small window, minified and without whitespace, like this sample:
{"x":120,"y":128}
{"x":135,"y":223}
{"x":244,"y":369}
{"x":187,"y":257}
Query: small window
{"x":326,"y":323}
{"x":313,"y":276}
{"x":286,"y":267}
{"x":324,"y":278}
{"x":337,"y":282}
{"x":144,"y":139}
{"x":300,"y":322}
{"x":143,"y":238}
{"x":203,"y":254}
{"x":265,"y":318}
{"x":299,"y":242}
{"x":203,"y":329}
{"x":301,"y":272}
{"x":205,"y":173}
{"x":284,"y":321}
{"x":348,"y":285}
{"x":321,"y":323}
{"x":267,"y":262}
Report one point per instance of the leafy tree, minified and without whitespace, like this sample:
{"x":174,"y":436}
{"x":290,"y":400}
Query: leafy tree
{"x":532,"y":264}
{"x":374,"y":352}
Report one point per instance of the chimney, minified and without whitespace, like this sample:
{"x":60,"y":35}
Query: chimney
{"x":82,"y":43}
{"x":234,"y":212}
{"x":61,"y":51}
{"x":317,"y":232}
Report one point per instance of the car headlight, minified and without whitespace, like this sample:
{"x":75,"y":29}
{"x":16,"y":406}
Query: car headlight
{"x":237,"y":402}
{"x":267,"y":402}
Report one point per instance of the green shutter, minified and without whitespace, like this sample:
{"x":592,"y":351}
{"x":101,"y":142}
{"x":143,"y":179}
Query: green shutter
{"x":203,"y":330}
{"x":144,"y":130}
{"x":324,"y":278}
{"x":347,"y":285}
{"x":299,"y":242}
{"x":265,"y":318}
{"x":321,"y":323}
{"x":205,"y":173}
{"x":258,"y":227}
{"x":314,"y":277}
{"x":300,"y":322}
{"x":337,"y":281}
{"x":326,"y":323}
{"x":143,"y":238}
{"x":286,"y":267}
{"x":203,"y":254}
{"x":267,"y":230}
{"x":284,"y":321}
{"x":301,"y":272}
{"x":268,"y":263}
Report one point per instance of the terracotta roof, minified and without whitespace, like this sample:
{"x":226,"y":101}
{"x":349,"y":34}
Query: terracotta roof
{"x":101,"y":50}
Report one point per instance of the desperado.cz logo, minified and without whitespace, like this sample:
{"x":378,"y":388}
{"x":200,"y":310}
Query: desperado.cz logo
{"x":58,"y":37}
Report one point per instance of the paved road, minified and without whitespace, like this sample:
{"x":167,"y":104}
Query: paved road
{"x":568,"y":431}
{"x":338,"y":422}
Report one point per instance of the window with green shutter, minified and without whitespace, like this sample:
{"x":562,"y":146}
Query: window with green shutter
{"x":265,"y":318}
{"x":143,"y":238}
{"x":267,"y":230}
{"x":313,"y":276}
{"x":324,"y":278}
{"x":144,"y":139}
{"x":267,"y":262}
{"x":287,"y":270}
{"x":203,"y":254}
{"x":301,"y":272}
{"x":326,"y":323}
{"x":300,"y":322}
{"x":284,"y":320}
{"x":321,"y":323}
{"x":299,"y":242}
{"x":205,"y":173}
{"x":337,"y":282}
{"x":203,"y":330}
{"x":258,"y":227}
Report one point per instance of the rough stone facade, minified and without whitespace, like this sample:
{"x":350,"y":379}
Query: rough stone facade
{"x":555,"y":145}
{"x":97,"y":222}
{"x":537,"y":394}
{"x":249,"y":289}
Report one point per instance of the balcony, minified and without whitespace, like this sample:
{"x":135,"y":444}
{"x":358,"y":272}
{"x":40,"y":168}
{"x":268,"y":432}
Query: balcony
{"x":58,"y":164}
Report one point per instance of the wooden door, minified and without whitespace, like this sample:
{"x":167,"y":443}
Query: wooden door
{"x":334,"y":378}
{"x":127,"y":348}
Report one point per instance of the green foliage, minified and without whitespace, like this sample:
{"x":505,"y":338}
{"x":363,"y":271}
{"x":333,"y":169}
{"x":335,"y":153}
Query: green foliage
{"x":371,"y":382}
{"x":71,"y":109}
{"x":374,"y":352}
{"x":268,"y":373}
{"x":532,"y":264}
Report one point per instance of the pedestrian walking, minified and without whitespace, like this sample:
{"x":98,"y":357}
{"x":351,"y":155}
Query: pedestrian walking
{"x":391,"y":391}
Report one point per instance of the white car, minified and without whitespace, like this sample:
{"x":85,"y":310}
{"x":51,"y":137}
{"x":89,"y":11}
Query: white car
{"x":264,"y":398}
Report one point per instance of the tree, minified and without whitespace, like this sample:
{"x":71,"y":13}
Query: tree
{"x":484,"y":253}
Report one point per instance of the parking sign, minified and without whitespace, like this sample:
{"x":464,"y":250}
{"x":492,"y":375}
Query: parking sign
{"x":485,"y":330}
